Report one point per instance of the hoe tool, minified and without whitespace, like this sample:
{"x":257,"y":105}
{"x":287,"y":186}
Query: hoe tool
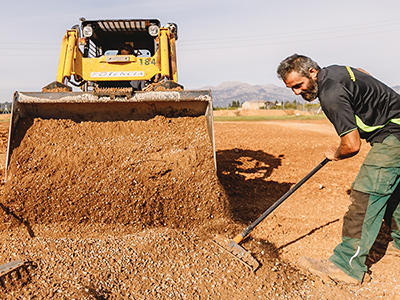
{"x":242,"y":254}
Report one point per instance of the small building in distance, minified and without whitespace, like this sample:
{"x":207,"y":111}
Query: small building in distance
{"x":256,"y":104}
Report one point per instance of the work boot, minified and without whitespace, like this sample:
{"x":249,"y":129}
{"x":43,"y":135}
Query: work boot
{"x":392,"y":250}
{"x":325,"y":267}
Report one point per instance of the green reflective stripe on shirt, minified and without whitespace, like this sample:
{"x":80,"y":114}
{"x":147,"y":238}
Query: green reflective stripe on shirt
{"x":395,"y":121}
{"x":367,"y":128}
{"x":352,"y":77}
{"x":344,"y":133}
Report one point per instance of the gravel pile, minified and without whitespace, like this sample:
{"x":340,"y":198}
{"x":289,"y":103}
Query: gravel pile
{"x":96,"y":262}
{"x":146,"y":173}
{"x":125,"y":210}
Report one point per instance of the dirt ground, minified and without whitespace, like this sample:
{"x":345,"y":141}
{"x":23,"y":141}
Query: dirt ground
{"x":129,"y":211}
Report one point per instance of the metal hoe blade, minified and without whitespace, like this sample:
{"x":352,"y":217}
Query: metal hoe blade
{"x":11,"y":266}
{"x":240,"y":254}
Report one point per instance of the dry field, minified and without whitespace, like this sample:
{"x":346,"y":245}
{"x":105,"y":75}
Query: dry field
{"x":101,"y":213}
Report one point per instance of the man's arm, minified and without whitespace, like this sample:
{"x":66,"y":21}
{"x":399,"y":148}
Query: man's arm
{"x":350,"y":144}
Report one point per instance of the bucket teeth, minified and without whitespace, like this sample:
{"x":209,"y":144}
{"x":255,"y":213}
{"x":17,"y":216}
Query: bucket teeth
{"x":239,"y":253}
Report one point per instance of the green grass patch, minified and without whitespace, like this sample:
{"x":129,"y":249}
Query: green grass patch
{"x":269,"y":118}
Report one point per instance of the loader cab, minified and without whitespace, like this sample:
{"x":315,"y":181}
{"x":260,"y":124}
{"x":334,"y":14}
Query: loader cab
{"x":104,"y":37}
{"x":88,"y":56}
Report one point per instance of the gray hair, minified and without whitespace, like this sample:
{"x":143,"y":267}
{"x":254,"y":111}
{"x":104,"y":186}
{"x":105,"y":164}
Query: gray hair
{"x":298,"y":63}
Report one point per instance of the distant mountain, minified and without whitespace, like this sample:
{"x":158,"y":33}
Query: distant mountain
{"x":229,"y":91}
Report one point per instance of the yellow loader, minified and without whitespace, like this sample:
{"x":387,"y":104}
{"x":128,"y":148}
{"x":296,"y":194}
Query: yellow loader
{"x":115,"y":85}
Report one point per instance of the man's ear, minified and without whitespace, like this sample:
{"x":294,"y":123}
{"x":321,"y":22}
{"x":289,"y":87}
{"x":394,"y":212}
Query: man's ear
{"x":313,"y":73}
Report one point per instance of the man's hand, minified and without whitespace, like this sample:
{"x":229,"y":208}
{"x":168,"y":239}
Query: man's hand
{"x":349,"y":146}
{"x":330,"y":153}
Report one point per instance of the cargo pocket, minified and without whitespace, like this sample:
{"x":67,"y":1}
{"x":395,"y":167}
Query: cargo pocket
{"x":385,"y":154}
{"x":376,"y":180}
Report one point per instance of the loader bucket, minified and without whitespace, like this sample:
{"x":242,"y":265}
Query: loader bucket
{"x":85,"y":106}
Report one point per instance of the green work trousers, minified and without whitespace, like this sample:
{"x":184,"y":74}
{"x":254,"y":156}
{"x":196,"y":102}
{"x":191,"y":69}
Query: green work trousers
{"x":373,"y":193}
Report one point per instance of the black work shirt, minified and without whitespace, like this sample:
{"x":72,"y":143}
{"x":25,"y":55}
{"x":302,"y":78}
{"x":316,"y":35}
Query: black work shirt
{"x":352,"y":99}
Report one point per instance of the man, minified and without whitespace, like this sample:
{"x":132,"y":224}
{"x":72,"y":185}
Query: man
{"x":136,"y":85}
{"x":126,"y":49}
{"x":359,"y":106}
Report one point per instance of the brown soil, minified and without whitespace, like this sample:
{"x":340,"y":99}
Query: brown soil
{"x":128,"y":210}
{"x":136,"y":172}
{"x":259,"y":112}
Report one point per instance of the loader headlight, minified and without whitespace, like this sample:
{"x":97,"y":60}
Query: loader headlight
{"x":153,"y":30}
{"x":87,"y":31}
{"x":173,"y":28}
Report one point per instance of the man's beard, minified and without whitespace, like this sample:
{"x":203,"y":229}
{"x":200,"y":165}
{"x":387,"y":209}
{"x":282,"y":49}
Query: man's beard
{"x":312,"y":91}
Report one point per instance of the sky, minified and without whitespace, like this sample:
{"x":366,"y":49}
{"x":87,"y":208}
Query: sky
{"x":219,"y":41}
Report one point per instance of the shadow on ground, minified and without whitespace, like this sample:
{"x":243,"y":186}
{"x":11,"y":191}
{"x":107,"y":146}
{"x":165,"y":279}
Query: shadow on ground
{"x":244,"y":175}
